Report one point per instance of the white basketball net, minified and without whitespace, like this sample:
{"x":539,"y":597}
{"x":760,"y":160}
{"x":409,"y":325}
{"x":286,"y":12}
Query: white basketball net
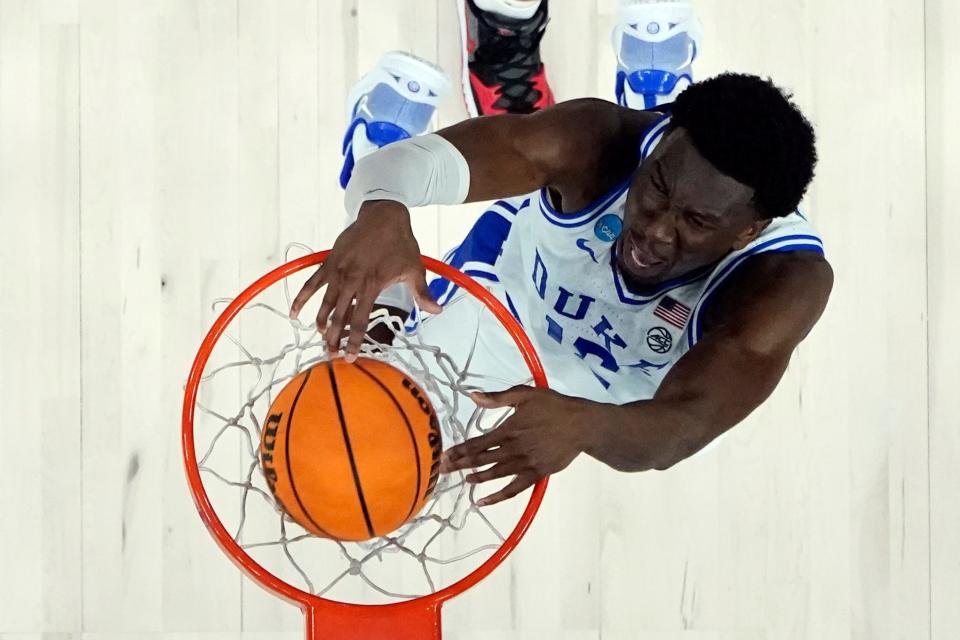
{"x":447,"y":540}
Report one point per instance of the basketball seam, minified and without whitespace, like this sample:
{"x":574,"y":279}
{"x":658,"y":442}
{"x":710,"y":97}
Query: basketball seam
{"x":346,"y":440}
{"x":286,"y":445}
{"x":413,"y":437}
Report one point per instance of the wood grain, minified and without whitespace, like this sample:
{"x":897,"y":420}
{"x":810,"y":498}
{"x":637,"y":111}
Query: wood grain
{"x":157,"y":155}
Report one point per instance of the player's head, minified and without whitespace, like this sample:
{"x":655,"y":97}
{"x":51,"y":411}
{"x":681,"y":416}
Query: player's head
{"x":737,"y":154}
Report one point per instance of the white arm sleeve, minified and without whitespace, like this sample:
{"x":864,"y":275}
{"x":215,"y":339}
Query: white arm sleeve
{"x":415,"y":172}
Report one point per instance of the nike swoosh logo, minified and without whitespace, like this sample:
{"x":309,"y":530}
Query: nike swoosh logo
{"x":646,"y":365}
{"x":361,"y":107}
{"x":582,"y":244}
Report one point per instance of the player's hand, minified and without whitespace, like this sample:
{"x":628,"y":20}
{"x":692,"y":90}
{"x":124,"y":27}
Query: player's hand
{"x":544,"y":434}
{"x":376,"y":251}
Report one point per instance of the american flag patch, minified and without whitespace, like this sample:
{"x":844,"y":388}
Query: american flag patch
{"x":676,"y":313}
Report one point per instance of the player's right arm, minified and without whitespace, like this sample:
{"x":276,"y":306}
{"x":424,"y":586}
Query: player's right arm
{"x":579,"y":149}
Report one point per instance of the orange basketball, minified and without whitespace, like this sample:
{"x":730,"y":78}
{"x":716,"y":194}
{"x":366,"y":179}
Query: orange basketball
{"x":351,"y":451}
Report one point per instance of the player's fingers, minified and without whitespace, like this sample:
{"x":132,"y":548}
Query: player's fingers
{"x":490,"y":456}
{"x":338,"y":319}
{"x":509,"y":467}
{"x":519,"y":484}
{"x":326,"y":307}
{"x":421,"y":293}
{"x":462,"y":456}
{"x":508,"y":398}
{"x":306,"y":292}
{"x":358,"y":323}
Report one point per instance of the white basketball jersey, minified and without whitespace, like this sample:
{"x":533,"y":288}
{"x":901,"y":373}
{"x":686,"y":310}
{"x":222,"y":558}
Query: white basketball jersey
{"x":557,"y":273}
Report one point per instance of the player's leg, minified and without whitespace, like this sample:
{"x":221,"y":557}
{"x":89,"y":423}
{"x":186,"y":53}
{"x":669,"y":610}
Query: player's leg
{"x":502,"y":70}
{"x":656,"y":43}
{"x":475,"y":342}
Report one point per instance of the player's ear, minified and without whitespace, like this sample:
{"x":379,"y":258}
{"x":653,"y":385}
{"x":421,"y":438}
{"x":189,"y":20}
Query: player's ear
{"x":750,"y":233}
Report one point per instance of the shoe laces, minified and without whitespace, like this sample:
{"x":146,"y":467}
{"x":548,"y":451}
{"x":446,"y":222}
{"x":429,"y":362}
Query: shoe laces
{"x":510,"y":56}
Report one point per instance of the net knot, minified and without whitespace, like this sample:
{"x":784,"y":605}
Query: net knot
{"x":355,"y":567}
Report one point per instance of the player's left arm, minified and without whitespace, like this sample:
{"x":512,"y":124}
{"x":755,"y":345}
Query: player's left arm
{"x":765,"y":309}
{"x":761,"y":314}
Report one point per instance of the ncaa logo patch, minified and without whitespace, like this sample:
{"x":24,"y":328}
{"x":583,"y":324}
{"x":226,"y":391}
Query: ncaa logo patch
{"x":608,"y":227}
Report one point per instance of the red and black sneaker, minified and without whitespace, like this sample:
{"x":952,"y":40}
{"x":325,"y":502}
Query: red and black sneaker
{"x":502,"y":72}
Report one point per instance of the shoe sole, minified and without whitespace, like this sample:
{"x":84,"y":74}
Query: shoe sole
{"x":468,"y":99}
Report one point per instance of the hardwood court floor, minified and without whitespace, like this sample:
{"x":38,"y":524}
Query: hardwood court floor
{"x":155,"y":155}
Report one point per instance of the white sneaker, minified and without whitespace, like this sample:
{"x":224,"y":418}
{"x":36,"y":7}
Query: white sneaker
{"x":393,"y":101}
{"x":656,"y":44}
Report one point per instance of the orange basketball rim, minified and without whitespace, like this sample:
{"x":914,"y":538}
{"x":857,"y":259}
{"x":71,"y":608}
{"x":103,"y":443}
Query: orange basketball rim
{"x":414,"y":619}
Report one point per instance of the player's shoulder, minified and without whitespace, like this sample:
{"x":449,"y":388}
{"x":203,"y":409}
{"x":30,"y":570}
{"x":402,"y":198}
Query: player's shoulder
{"x":808,"y":270}
{"x":784,"y":292}
{"x":587,"y":145}
{"x":598,"y":118}
{"x":602,"y":117}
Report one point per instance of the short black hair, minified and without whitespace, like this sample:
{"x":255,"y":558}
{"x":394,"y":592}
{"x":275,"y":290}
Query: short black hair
{"x":750,"y":130}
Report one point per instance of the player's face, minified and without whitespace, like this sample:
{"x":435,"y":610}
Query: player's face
{"x":682,"y":213}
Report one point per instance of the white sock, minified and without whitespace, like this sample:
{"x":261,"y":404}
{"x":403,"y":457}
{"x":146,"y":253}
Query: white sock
{"x":516,"y":9}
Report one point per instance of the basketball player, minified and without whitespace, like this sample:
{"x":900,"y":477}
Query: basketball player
{"x":655,"y":258}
